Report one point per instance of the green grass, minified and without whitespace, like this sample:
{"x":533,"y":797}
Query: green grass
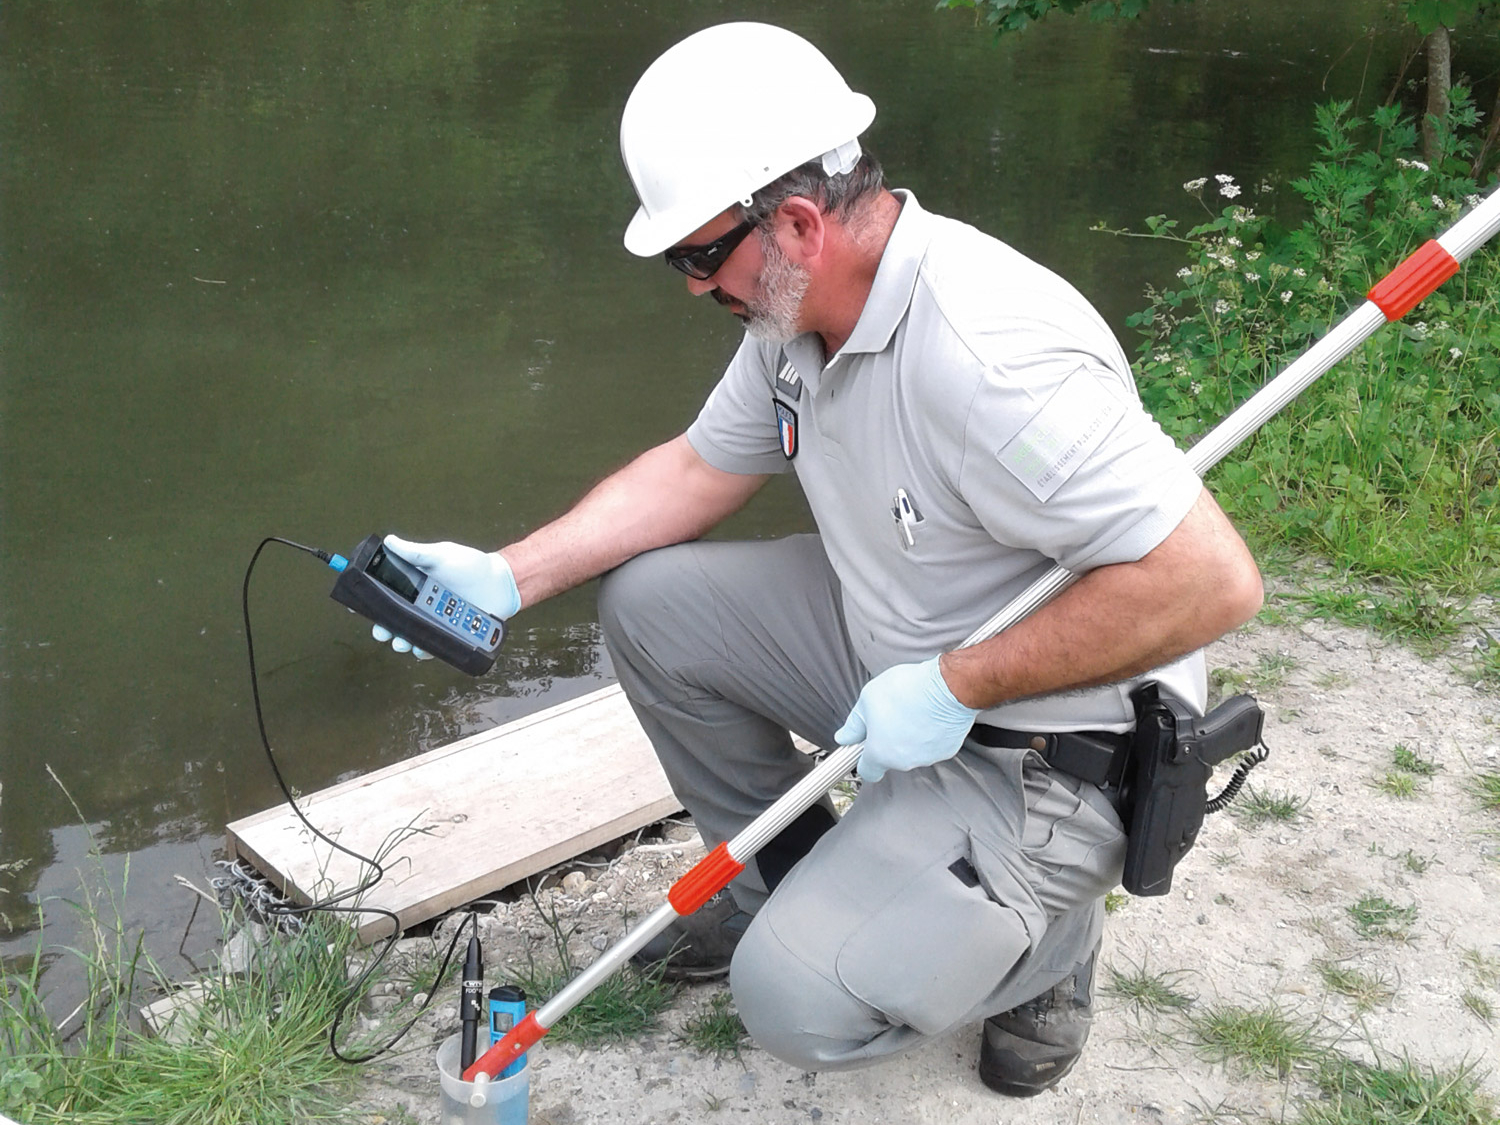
{"x":1147,"y":991}
{"x":1365,"y":989}
{"x":1486,"y":787}
{"x":1263,"y":806}
{"x":254,"y":1052}
{"x":1114,"y":900}
{"x":1397,"y":783}
{"x":1395,"y":1093}
{"x":1412,"y":762}
{"x":1486,"y":969}
{"x":1377,"y":917}
{"x":1416,"y":864}
{"x":1269,"y":673}
{"x":1477,"y":1004}
{"x":1486,"y":666}
{"x":716,"y":1030}
{"x":1266,"y":1040}
{"x":627,"y":1003}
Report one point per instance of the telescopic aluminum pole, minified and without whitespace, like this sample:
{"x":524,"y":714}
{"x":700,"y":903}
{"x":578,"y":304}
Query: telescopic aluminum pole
{"x":1392,"y":298}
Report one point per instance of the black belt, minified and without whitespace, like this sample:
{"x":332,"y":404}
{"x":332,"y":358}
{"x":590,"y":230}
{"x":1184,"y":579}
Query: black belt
{"x":1096,"y":756}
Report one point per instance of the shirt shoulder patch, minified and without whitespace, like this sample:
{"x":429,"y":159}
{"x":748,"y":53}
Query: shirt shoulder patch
{"x":1060,"y":436}
{"x":788,"y":382}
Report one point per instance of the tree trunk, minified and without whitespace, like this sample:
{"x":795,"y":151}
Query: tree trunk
{"x":1439,"y":79}
{"x":1477,"y":172}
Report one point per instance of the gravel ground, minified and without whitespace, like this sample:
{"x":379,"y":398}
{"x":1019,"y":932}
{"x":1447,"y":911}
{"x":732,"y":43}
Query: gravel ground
{"x":1258,"y":915}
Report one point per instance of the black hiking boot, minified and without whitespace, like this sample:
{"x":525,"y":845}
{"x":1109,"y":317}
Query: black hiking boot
{"x":1031,"y":1047}
{"x":699,"y":946}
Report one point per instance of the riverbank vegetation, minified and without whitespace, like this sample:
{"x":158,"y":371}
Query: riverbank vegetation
{"x":1387,"y":468}
{"x":243,"y":1048}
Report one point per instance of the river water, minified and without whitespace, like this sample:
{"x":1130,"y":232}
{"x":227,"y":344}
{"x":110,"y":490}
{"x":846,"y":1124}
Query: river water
{"x":314,"y":269}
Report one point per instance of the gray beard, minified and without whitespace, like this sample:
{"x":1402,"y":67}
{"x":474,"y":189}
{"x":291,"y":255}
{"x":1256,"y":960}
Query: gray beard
{"x":778,"y":304}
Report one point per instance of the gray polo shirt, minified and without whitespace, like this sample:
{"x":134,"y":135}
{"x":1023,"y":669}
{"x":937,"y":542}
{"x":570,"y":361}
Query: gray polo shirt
{"x":980,"y":424}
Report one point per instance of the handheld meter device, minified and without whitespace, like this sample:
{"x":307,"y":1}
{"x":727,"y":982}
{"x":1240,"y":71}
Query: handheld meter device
{"x":392,"y":593}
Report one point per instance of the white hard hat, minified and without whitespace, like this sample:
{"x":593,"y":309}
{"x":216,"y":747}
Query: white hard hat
{"x":777,"y":102}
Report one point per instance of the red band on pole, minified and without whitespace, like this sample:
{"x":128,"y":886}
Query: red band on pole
{"x":704,"y":879}
{"x":518,"y":1040}
{"x":1404,"y":287}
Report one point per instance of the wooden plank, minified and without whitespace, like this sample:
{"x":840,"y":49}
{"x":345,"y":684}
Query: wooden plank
{"x":471,"y":817}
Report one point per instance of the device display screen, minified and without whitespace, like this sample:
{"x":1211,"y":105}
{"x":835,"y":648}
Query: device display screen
{"x":385,"y":571}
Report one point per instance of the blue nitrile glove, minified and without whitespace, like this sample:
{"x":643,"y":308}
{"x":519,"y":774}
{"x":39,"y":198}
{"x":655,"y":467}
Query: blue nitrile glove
{"x":906,"y":717}
{"x":481,"y":578}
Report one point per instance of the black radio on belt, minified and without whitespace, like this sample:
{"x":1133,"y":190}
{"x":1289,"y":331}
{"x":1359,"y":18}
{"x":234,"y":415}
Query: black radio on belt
{"x":397,"y":596}
{"x":1166,"y":791}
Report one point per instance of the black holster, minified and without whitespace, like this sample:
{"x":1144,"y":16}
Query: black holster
{"x":1165,"y":789}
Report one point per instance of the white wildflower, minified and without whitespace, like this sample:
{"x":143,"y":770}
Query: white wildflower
{"x":1185,"y":272}
{"x":1229,"y":191}
{"x":1472,"y":200}
{"x":1299,"y":272}
{"x":1224,"y":179}
{"x":1265,"y":187}
{"x":1195,"y":388}
{"x":1162,"y":357}
{"x":1252,"y":256}
{"x":1437,"y":201}
{"x":1221,"y":306}
{"x":1252,"y":277}
{"x":1456,"y":353}
{"x":1419,"y":330}
{"x":1286,"y":296}
{"x":1195,"y":185}
{"x":1232,"y":241}
{"x":1417,"y":164}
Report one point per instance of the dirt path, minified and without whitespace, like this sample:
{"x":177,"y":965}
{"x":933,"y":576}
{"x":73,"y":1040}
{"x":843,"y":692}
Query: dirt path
{"x":1259,"y":915}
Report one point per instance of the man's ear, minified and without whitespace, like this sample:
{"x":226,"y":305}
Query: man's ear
{"x":801,"y":229}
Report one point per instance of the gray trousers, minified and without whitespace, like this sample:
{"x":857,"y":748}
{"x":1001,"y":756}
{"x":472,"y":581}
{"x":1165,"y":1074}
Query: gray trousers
{"x":944,"y":895}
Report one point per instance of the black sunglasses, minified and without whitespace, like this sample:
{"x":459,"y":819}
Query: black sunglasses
{"x":702,"y":262}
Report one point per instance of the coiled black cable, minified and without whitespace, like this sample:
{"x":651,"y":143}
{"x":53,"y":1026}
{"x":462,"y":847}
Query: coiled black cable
{"x":331,"y":905}
{"x":1237,"y":780}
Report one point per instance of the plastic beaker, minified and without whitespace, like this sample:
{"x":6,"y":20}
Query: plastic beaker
{"x":505,"y":1101}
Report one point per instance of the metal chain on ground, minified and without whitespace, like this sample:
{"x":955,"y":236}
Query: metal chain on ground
{"x":244,"y":886}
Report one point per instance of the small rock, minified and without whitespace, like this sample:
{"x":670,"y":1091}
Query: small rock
{"x":599,"y":896}
{"x":1203,"y":919}
{"x":815,"y":1113}
{"x":573,"y":882}
{"x":599,"y":942}
{"x":448,"y":1014}
{"x":419,"y":999}
{"x":747,"y":1082}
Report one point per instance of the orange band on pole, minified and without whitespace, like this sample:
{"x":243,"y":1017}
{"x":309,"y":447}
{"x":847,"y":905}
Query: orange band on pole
{"x":518,"y":1040}
{"x":704,"y":879}
{"x":1404,"y":287}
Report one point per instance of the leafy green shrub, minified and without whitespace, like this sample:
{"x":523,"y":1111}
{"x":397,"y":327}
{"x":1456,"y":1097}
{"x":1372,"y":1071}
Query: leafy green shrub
{"x":1387,"y":464}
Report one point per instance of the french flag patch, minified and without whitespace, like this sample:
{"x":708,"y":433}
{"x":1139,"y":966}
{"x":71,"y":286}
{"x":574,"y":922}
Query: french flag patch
{"x":786,"y":426}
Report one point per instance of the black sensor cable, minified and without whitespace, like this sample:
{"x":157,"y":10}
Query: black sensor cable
{"x":333,"y":904}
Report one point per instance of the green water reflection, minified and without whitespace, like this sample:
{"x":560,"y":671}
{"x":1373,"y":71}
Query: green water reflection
{"x":318,"y":268}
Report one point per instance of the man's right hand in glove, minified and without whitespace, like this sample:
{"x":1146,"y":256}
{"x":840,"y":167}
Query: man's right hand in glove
{"x":483,"y":579}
